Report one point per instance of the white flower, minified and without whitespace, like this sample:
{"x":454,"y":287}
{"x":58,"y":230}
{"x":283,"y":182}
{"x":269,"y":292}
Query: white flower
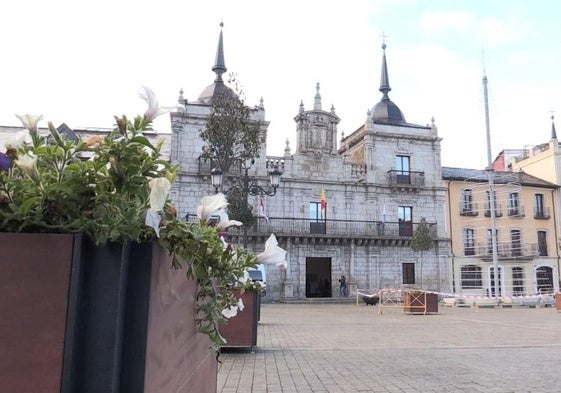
{"x":30,"y":122}
{"x":28,"y":164}
{"x":230,"y":312}
{"x":240,"y":304}
{"x":15,"y":141}
{"x":273,"y":254}
{"x":211,"y":204}
{"x":159,"y":189}
{"x":224,"y":221}
{"x":154,"y":110}
{"x":244,"y":278}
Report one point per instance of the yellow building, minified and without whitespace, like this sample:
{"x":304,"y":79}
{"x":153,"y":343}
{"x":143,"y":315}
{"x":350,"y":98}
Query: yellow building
{"x":527,"y":256}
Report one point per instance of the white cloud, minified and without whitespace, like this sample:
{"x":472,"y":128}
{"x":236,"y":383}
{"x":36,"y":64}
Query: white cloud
{"x":496,"y":32}
{"x":446,"y":20}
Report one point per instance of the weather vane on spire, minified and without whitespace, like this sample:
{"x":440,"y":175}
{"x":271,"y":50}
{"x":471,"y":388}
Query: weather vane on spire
{"x":384,"y":36}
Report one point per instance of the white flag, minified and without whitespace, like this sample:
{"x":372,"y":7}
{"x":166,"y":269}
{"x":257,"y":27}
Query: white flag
{"x":262,"y":211}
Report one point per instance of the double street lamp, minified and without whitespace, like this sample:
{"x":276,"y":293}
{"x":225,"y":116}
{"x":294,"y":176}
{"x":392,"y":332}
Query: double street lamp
{"x":248,"y":185}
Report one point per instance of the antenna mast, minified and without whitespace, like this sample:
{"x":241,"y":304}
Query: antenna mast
{"x":492,"y":196}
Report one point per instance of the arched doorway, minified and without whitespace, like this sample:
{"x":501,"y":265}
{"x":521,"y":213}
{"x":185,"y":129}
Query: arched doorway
{"x":544,"y":279}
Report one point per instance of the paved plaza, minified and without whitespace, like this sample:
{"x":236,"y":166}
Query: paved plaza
{"x":349,"y":348}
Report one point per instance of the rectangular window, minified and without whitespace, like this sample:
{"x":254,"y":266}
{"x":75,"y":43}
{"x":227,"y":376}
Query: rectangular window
{"x":542,"y":243}
{"x":315,"y":211}
{"x":513,"y":204}
{"x":539,"y":210}
{"x":317,"y":222}
{"x":515,"y":243}
{"x":471,"y":277}
{"x":403,"y":169}
{"x":408,"y":272}
{"x":405,"y":220}
{"x":469,"y":241}
{"x":488,"y":204}
{"x":467,"y":201}
{"x":517,"y":281}
{"x":490,"y":240}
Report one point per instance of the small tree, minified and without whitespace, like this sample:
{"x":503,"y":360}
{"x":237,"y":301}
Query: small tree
{"x":232,"y":139}
{"x":422,"y":241}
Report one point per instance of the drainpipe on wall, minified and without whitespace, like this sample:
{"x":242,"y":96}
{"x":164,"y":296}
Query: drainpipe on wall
{"x":450,"y":236}
{"x":555,"y":222}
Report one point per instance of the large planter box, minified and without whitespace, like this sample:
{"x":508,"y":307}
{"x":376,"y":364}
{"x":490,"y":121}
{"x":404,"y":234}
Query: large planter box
{"x":241,"y":330}
{"x":77,"y":317}
{"x":420,"y":302}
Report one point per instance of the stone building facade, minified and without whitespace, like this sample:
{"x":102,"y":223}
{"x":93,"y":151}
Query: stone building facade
{"x":378,"y":184}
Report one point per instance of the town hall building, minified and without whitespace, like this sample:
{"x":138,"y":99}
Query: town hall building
{"x":346,"y":206}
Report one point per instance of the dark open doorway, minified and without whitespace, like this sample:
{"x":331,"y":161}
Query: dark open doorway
{"x":318,"y":277}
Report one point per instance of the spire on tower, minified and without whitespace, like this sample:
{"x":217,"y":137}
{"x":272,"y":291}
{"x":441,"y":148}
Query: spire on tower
{"x":220,"y":65}
{"x":384,"y":79}
{"x":317,"y":99}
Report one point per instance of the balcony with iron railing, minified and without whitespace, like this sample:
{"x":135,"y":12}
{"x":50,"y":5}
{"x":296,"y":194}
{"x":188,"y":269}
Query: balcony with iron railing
{"x":498,"y":211}
{"x":396,"y":233}
{"x":406,"y":179}
{"x":516,"y":211}
{"x":542,"y":213}
{"x":505,"y":251}
{"x":468,"y":209}
{"x":297,"y":227}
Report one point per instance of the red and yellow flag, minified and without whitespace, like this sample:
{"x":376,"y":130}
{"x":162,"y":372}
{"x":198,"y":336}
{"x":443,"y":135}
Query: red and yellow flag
{"x":323,"y":203}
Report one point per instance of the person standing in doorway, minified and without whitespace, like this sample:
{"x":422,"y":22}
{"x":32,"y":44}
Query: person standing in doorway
{"x":343,"y":287}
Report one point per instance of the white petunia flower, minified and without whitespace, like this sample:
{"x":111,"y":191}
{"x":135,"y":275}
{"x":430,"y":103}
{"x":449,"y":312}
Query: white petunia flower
{"x":224,"y":221}
{"x":28,"y":164}
{"x":30,"y":122}
{"x":154,"y":109}
{"x":273,"y":254}
{"x":15,"y":141}
{"x":240,"y":304}
{"x":230,"y":312}
{"x":211,"y":204}
{"x":244,"y":278}
{"x":159,"y":189}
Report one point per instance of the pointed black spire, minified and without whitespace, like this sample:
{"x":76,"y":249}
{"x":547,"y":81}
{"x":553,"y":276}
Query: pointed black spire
{"x":384,"y":80}
{"x":553,"y":132}
{"x":386,"y":111}
{"x":218,"y":87}
{"x":220,"y":66}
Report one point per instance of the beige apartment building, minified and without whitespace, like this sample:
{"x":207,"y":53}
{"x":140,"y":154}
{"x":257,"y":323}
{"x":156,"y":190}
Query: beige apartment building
{"x":527,"y":256}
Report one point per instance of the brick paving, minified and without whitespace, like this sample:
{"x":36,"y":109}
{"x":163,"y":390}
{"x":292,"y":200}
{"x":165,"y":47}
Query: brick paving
{"x":348,"y":348}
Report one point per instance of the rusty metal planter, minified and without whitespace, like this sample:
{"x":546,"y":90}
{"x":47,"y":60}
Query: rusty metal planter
{"x":241,"y":330}
{"x":77,"y":317}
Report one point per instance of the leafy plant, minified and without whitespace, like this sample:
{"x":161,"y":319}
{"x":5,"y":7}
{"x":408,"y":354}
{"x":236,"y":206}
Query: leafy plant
{"x":232,"y":137}
{"x":115,"y":189}
{"x":422,"y":241}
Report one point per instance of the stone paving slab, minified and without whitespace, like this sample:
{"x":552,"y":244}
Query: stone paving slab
{"x":348,"y":348}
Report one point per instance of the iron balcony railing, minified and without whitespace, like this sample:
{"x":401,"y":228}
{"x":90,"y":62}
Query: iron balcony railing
{"x":542,"y":213}
{"x":498,"y":211}
{"x":406,"y":178}
{"x":336,"y":228}
{"x":516,"y":211}
{"x":468,"y":209}
{"x":504,"y":251}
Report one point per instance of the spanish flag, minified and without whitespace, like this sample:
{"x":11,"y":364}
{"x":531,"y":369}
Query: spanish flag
{"x":323,"y":203}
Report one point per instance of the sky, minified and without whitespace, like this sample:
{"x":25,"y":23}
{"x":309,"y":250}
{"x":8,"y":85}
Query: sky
{"x":81,"y":63}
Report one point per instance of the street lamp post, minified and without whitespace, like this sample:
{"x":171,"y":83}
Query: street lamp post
{"x":248,"y":185}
